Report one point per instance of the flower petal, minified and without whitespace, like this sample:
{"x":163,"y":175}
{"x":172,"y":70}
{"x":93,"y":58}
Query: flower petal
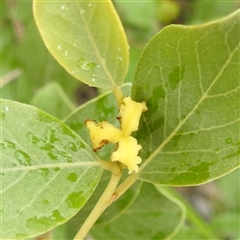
{"x":102,"y":133}
{"x":130,"y":113}
{"x":127,"y":153}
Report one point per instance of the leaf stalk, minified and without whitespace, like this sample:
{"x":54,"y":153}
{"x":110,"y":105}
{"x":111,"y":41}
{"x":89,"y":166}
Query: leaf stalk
{"x":105,"y":200}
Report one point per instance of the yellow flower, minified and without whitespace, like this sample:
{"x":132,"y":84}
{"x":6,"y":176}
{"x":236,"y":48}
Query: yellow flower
{"x":104,"y":132}
{"x":127,"y":153}
{"x":130,"y":113}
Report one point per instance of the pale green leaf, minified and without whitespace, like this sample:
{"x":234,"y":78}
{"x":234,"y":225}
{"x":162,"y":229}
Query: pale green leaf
{"x":150,"y":216}
{"x":53,"y":100}
{"x":48,"y":172}
{"x":86,"y":38}
{"x":190,"y":79}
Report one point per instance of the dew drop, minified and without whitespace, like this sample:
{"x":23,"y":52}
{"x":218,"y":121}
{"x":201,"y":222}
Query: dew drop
{"x":82,"y":11}
{"x":73,"y":72}
{"x":59,"y":47}
{"x":197,"y":112}
{"x":75,"y":200}
{"x":228,"y":140}
{"x":45,"y":202}
{"x":85,"y":65}
{"x":119,"y":58}
{"x":66,"y":53}
{"x":43,"y":171}
{"x":7,"y":108}
{"x":81,"y":145}
{"x":8,"y":145}
{"x":73,"y":146}
{"x":173,"y":169}
{"x":89,"y":5}
{"x":23,"y":158}
{"x":2,"y":115}
{"x":32,"y":138}
{"x":72,"y":177}
{"x":98,"y":66}
{"x":21,"y":235}
{"x":93,"y":79}
{"x":63,"y":7}
{"x":183,"y":164}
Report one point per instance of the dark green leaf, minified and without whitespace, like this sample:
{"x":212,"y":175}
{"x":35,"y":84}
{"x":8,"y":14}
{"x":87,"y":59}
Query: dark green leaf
{"x":189,"y":77}
{"x":150,"y":216}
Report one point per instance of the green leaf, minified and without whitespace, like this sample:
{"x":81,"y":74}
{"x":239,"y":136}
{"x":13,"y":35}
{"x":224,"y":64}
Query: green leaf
{"x":86,"y":38}
{"x":150,"y":216}
{"x":115,"y":210}
{"x":52,"y":99}
{"x":48,"y":172}
{"x":189,"y":77}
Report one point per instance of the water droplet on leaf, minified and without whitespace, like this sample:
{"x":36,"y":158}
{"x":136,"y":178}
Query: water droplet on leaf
{"x":59,"y":47}
{"x":43,"y":171}
{"x":197,"y":112}
{"x":75,"y":200}
{"x":73,"y":146}
{"x":119,"y":58}
{"x":173,"y":169}
{"x":6,"y":108}
{"x":72,"y":177}
{"x":228,"y":140}
{"x":8,"y":145}
{"x":45,"y":202}
{"x":23,"y":158}
{"x":2,"y":115}
{"x":85,"y":65}
{"x":183,"y":164}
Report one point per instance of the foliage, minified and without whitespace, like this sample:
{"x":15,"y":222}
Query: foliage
{"x":187,"y":75}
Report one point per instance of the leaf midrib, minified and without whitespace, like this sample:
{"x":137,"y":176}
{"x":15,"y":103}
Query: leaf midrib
{"x":189,"y":114}
{"x":111,"y":80}
{"x":48,"y":166}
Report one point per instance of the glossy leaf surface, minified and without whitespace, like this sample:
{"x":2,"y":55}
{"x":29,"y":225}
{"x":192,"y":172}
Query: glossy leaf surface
{"x":86,"y":38}
{"x":189,"y":77}
{"x":48,"y":172}
{"x":142,"y":220}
